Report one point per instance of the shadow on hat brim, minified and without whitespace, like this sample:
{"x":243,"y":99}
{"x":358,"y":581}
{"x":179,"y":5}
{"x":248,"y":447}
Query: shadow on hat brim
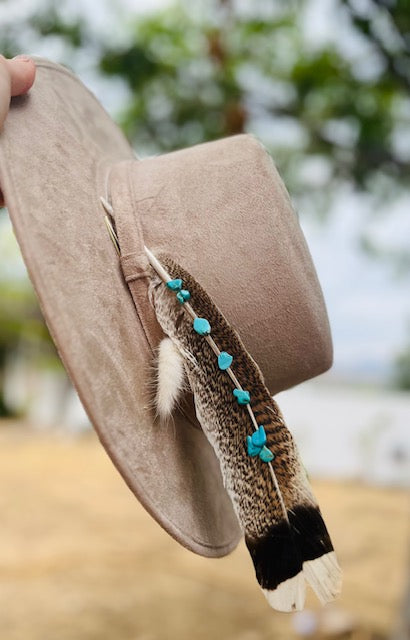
{"x":56,"y":149}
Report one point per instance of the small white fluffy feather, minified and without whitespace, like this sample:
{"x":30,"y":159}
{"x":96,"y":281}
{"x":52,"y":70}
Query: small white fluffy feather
{"x":170,"y":378}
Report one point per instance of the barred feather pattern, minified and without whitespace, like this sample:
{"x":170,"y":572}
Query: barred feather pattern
{"x":285,"y":551}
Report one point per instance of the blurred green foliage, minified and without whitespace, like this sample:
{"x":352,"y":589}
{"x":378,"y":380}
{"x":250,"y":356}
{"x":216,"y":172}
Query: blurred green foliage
{"x":401,"y":379}
{"x":402,"y":373}
{"x":191,"y":81}
{"x":196,"y":72}
{"x":22,"y":328}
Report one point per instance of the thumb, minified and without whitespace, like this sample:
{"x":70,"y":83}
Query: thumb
{"x":16,"y":77}
{"x":22,"y":71}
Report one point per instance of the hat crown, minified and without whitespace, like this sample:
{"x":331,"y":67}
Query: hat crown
{"x":223,"y":212}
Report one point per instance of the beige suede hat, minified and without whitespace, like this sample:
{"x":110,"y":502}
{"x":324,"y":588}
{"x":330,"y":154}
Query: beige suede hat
{"x":222,"y":211}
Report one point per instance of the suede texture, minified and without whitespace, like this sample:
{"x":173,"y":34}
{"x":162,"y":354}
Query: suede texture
{"x":223,"y":212}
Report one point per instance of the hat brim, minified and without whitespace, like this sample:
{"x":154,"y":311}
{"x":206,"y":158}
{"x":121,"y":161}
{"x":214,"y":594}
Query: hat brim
{"x":56,"y":149}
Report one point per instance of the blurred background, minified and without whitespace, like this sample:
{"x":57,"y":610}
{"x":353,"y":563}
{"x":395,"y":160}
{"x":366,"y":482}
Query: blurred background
{"x":325,"y":86}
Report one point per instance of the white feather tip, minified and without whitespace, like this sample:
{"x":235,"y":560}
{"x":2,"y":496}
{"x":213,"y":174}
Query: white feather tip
{"x":324,"y":576}
{"x":288,"y":595}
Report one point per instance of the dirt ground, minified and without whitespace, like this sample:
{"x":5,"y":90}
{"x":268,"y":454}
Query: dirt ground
{"x":80,"y":559}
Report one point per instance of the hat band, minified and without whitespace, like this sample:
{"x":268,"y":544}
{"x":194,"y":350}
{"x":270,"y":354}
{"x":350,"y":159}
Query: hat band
{"x":133,"y":260}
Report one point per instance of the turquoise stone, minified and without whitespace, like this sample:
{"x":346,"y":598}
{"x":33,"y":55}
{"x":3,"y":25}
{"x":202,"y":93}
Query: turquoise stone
{"x":259,"y":437}
{"x":224,"y":360}
{"x":202,"y":326}
{"x":174,"y":285}
{"x":256,"y":445}
{"x":256,"y":442}
{"x":243,"y":397}
{"x":183,"y":295}
{"x":266,"y":455}
{"x":252,"y":449}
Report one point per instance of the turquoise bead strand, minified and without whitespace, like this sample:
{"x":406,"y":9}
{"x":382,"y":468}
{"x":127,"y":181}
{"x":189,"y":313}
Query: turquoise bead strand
{"x":202,"y":327}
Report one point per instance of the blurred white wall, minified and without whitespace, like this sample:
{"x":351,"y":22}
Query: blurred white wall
{"x":45,"y":396}
{"x":350,"y":432}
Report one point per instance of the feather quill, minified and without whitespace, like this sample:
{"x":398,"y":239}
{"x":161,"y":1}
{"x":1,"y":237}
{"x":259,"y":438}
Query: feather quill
{"x":281,"y":520}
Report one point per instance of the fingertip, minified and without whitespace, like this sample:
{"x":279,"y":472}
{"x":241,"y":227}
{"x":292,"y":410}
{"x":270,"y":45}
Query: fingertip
{"x":22,"y":73}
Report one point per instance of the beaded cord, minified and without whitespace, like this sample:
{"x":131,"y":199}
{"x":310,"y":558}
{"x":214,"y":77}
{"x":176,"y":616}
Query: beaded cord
{"x":255,"y":443}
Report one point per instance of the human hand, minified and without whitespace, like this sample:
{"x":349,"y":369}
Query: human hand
{"x":16,"y":77}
